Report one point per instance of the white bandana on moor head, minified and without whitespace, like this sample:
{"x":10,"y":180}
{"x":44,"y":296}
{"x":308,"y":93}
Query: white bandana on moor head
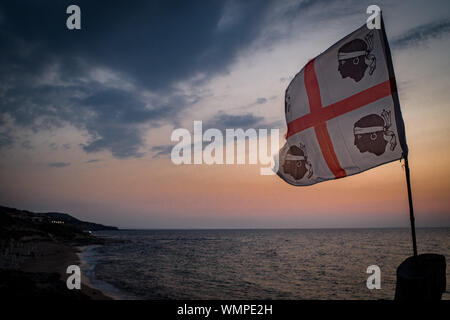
{"x":350,"y":55}
{"x":295,"y":158}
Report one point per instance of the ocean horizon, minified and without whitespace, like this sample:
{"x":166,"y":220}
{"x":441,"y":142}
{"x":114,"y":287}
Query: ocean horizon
{"x":259,"y":263}
{"x":272,"y":228}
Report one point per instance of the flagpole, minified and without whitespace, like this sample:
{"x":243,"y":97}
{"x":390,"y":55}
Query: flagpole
{"x":411,"y":209}
{"x":401,"y":129}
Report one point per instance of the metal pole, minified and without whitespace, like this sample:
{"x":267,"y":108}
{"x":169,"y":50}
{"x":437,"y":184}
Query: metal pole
{"x":411,"y":210}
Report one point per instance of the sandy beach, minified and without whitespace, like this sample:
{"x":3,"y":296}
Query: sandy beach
{"x":55,"y":258}
{"x":34,"y":256}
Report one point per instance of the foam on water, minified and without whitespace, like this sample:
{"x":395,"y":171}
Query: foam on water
{"x":88,"y":261}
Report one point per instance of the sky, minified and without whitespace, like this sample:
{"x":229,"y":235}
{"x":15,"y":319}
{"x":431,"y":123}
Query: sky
{"x":86,"y":115}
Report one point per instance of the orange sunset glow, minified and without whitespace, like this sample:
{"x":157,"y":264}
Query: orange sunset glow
{"x":103,"y":163}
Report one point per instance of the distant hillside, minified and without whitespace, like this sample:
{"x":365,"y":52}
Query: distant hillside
{"x":83,"y":225}
{"x":21,"y":230}
{"x":55,"y":218}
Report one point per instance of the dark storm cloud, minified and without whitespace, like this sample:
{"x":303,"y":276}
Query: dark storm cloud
{"x":155,"y":42}
{"x":420,"y":34}
{"x":152,"y":44}
{"x":59,"y":164}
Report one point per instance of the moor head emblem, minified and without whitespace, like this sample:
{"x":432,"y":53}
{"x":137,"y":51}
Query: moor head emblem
{"x":296,"y":163}
{"x":372,"y":133}
{"x":355,"y":57}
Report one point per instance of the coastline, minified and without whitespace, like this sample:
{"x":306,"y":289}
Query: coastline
{"x":34,"y":257}
{"x":35,"y":253}
{"x":55,"y":258}
{"x":88,"y":277}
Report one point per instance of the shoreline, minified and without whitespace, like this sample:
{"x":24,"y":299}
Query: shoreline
{"x":87,"y":287}
{"x":88,"y":277}
{"x":55,"y":258}
{"x":36,"y":250}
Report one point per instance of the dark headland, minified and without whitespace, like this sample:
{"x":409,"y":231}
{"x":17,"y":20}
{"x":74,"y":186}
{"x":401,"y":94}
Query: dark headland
{"x":37,"y":248}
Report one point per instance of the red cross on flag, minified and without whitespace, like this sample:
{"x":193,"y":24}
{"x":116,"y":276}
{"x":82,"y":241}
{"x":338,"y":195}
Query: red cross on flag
{"x":342,"y":112}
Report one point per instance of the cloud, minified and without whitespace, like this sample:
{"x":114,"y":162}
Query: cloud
{"x":122,"y":142}
{"x":115,"y":117}
{"x":6,"y":140}
{"x":232,"y":12}
{"x":117,"y":76}
{"x":27,"y":145}
{"x":53,"y":146}
{"x":421,"y":34}
{"x":156,"y":43}
{"x":121,"y":73}
{"x":261,"y":100}
{"x":59,"y":164}
{"x":223,"y":121}
{"x":92,"y":160}
{"x":162,"y":150}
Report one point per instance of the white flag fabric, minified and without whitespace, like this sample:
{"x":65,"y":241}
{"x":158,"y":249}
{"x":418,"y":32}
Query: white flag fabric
{"x":342,"y":112}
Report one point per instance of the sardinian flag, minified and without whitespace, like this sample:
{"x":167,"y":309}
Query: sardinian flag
{"x":342,"y":112}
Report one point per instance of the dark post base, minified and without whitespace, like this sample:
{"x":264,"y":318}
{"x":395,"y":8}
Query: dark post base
{"x":421,"y":278}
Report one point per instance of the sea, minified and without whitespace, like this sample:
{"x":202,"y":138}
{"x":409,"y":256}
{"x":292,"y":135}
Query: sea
{"x":254,"y":264}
